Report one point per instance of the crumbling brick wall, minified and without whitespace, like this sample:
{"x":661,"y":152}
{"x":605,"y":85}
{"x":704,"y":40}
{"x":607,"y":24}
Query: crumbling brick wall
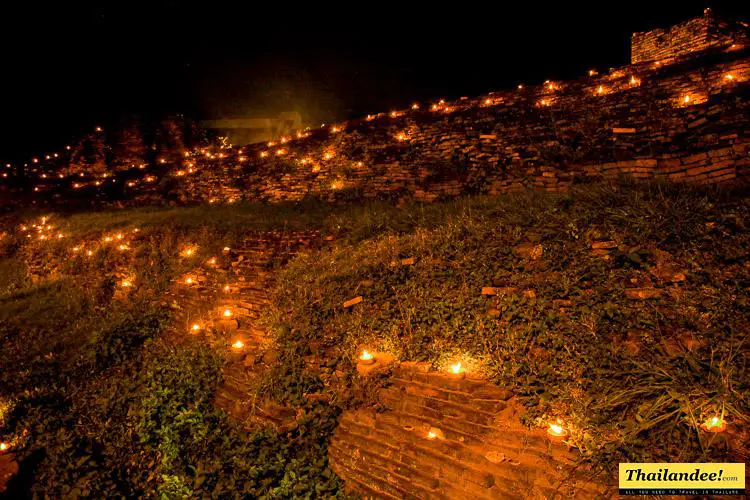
{"x":693,"y":35}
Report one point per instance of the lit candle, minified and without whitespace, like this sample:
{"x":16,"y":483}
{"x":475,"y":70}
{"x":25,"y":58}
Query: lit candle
{"x":196,"y":327}
{"x":435,"y":433}
{"x":729,"y":77}
{"x":126,"y":284}
{"x":714,"y":424}
{"x":457,"y":370}
{"x":366,"y":358}
{"x":227,"y":313}
{"x":189,"y":280}
{"x":556,"y":433}
{"x":238,"y":345}
{"x":4,"y":447}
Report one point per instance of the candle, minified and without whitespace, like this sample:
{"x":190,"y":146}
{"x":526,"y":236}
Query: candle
{"x":227,"y":313}
{"x":366,"y":358}
{"x":435,"y":433}
{"x":4,"y":447}
{"x":556,"y":434}
{"x":238,"y":345}
{"x":714,"y":424}
{"x":196,"y":327}
{"x":457,"y":371}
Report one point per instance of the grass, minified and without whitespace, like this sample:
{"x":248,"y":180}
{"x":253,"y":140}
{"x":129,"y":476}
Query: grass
{"x":100,"y":399}
{"x":633,"y":379}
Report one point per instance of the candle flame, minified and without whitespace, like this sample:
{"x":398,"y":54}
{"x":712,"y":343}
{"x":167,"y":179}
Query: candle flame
{"x":238,"y":345}
{"x":556,"y":429}
{"x":227,"y":313}
{"x":366,"y":356}
{"x":195,"y":327}
{"x":456,"y":368}
{"x":4,"y":447}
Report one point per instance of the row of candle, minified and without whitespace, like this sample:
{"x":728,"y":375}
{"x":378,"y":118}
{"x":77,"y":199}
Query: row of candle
{"x":556,"y":432}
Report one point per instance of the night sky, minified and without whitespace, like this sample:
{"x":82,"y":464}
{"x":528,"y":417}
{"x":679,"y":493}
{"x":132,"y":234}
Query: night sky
{"x":70,"y":67}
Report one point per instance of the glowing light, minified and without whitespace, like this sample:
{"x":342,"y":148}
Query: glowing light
{"x":415,"y":106}
{"x":335,"y":129}
{"x":99,"y":129}
{"x":263,"y":154}
{"x":634,"y":81}
{"x":226,"y":249}
{"x":556,"y":433}
{"x":126,"y":284}
{"x":435,"y":433}
{"x":328,"y":155}
{"x":729,"y":77}
{"x":520,"y":86}
{"x":592,"y":72}
{"x":238,"y":345}
{"x":686,"y":99}
{"x":188,"y":252}
{"x":401,"y":137}
{"x":196,"y":327}
{"x":227,"y":288}
{"x":212,"y":260}
{"x":189,"y":280}
{"x":714,"y":424}
{"x":366,"y":358}
{"x":456,"y":368}
{"x":227,"y":313}
{"x":4,"y":447}
{"x":600,"y":90}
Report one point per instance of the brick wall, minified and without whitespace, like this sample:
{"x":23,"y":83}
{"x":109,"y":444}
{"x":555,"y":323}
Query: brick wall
{"x":478,"y":448}
{"x":685,"y":120}
{"x":632,"y":121}
{"x":693,"y":35}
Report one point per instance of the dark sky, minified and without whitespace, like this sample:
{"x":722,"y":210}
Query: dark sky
{"x":68,"y":66}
